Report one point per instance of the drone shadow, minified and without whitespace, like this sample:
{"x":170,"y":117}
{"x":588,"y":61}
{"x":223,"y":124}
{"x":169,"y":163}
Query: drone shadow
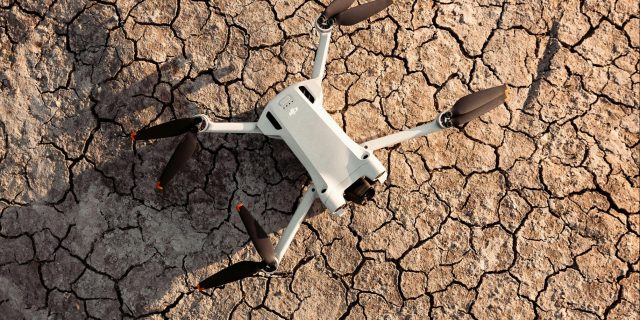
{"x":190,"y":229}
{"x":138,"y":251}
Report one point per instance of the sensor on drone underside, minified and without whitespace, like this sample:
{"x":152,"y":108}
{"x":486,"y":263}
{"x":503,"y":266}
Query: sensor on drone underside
{"x":333,"y":160}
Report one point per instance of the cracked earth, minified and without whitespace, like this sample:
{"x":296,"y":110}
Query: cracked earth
{"x":530,"y":212}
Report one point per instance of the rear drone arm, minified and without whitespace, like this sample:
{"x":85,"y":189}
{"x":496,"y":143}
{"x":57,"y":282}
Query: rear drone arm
{"x":270,"y":257}
{"x":291,"y":230}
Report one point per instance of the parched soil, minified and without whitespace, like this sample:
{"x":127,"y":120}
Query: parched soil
{"x":532,"y":211}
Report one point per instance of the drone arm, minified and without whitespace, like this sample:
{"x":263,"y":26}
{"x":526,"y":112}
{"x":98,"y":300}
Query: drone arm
{"x":291,"y":230}
{"x":226,"y":127}
{"x":232,"y":127}
{"x":398,"y":137}
{"x":321,"y":53}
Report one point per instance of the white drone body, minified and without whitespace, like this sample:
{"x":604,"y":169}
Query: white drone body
{"x":333,"y":160}
{"x":341,"y":170}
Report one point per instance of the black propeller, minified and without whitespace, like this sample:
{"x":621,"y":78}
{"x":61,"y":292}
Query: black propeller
{"x":243,"y":269}
{"x":260,"y":239}
{"x":477,"y":104}
{"x":182,"y":153}
{"x":339,"y":10}
{"x":336,"y":7}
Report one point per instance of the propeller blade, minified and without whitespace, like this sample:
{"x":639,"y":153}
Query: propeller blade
{"x":477,"y":99}
{"x":165,"y":130}
{"x":234,"y":272}
{"x":361,"y":12}
{"x":459,"y":120}
{"x":183,"y":152}
{"x":336,"y":7}
{"x":260,"y":239}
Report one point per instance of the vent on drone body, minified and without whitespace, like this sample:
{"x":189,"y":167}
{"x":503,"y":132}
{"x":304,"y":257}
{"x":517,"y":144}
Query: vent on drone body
{"x":307,"y":94}
{"x":273,"y":121}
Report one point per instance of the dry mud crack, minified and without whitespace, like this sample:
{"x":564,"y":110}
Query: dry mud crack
{"x":530,"y":212}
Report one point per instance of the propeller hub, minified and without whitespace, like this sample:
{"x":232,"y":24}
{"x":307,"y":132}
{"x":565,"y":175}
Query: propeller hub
{"x":445,"y":120}
{"x":198,"y":125}
{"x":324,"y":24}
{"x":270,"y":267}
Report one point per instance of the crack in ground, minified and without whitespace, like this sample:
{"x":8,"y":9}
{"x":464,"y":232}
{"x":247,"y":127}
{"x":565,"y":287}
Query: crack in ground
{"x":355,"y":301}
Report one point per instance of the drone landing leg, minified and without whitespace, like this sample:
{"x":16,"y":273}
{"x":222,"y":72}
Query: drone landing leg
{"x":438,"y":124}
{"x":296,"y":221}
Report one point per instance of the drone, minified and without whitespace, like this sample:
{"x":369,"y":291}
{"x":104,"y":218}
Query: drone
{"x":341,"y":170}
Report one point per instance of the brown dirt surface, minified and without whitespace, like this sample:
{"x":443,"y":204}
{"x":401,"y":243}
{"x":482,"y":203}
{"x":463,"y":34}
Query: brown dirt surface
{"x":531,"y":211}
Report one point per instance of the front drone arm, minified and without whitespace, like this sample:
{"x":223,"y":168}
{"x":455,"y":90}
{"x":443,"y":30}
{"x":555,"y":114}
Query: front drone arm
{"x":464,"y":110}
{"x":442,"y":122}
{"x":291,"y":230}
{"x":338,"y":13}
{"x":227,"y":127}
{"x":324,"y":28}
{"x":232,"y":127}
